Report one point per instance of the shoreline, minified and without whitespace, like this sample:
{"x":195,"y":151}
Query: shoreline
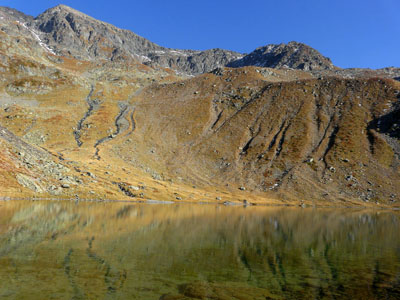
{"x":216,"y":202}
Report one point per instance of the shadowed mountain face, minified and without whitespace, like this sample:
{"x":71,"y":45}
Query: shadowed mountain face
{"x":117,"y":117}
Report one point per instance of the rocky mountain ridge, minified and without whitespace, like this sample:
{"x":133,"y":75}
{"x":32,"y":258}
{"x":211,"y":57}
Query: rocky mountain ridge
{"x":292,"y":55}
{"x":65,"y":31}
{"x":69,"y":32}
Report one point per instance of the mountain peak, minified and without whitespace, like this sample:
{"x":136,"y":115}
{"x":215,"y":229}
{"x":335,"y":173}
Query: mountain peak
{"x":72,"y":33}
{"x":293,"y":55}
{"x":63,"y":10}
{"x":62,"y":7}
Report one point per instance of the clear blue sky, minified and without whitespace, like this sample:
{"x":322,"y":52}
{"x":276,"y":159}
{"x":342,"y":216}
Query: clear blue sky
{"x":353,"y":33}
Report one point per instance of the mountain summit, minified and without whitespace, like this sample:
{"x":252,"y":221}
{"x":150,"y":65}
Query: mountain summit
{"x":73,"y":33}
{"x":292,"y":55}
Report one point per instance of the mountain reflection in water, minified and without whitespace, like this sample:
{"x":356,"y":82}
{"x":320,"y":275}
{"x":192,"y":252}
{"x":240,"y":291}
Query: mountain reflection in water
{"x":63,"y":250}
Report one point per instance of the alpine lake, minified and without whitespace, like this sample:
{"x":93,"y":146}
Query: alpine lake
{"x":91,"y":250}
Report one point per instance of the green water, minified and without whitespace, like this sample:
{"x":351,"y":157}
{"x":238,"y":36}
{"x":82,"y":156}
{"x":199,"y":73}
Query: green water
{"x":64,"y":250}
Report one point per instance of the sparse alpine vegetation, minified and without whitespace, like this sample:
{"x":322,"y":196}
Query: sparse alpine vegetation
{"x":91,"y":111}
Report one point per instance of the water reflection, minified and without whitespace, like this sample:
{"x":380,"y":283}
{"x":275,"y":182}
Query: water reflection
{"x":64,"y":250}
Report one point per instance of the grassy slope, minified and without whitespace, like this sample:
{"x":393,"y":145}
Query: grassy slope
{"x":275,"y":132}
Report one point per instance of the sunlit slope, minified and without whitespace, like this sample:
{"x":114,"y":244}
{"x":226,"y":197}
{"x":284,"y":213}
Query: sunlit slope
{"x":321,"y":139}
{"x":277,"y":134}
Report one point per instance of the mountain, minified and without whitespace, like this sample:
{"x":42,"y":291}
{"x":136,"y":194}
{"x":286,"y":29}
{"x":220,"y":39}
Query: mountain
{"x":70,"y":32}
{"x":90,"y":111}
{"x":292,"y":55}
{"x":67,"y":32}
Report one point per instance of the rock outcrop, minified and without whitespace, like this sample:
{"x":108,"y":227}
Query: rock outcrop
{"x":292,"y":55}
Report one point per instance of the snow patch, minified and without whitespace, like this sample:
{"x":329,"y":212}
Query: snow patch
{"x":142,"y":58}
{"x":36,"y":36}
{"x":270,"y":47}
{"x":178,"y":52}
{"x":145,"y":58}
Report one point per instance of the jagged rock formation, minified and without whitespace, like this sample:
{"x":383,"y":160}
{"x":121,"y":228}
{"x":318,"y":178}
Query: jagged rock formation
{"x":73,"y":33}
{"x":292,"y":55}
{"x":70,"y":32}
{"x":192,"y":62}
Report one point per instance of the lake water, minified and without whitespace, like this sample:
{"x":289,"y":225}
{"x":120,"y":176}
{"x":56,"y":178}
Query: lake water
{"x":67,"y":250}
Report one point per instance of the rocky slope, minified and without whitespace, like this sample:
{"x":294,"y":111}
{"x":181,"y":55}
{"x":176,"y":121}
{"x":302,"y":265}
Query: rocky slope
{"x":92,"y":111}
{"x":292,"y":55}
{"x":29,"y":167}
{"x":70,"y":32}
{"x":8,"y":13}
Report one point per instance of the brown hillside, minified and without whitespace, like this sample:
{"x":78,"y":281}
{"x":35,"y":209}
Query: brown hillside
{"x":331,"y":139}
